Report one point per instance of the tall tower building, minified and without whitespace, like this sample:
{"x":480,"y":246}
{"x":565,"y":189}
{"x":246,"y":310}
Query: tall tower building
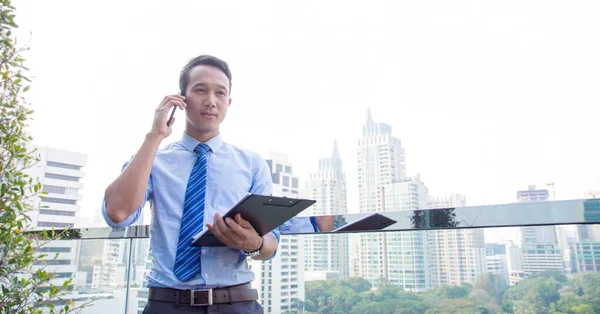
{"x":539,"y":245}
{"x":280,"y":281}
{"x":380,"y":162}
{"x":60,"y":173}
{"x":328,"y":253}
{"x":456,"y":256}
{"x":497,"y":260}
{"x":406,"y":254}
{"x":589,"y":233}
{"x":380,"y":165}
{"x":536,"y":235}
{"x":585,"y":249}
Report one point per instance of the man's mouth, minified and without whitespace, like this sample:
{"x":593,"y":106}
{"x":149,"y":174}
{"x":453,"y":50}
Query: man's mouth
{"x":208,"y":114}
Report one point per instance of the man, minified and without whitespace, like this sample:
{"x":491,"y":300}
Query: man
{"x":190,"y":183}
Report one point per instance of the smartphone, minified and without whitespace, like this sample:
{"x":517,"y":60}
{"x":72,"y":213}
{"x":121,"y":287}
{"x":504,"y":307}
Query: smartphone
{"x":172,"y":113}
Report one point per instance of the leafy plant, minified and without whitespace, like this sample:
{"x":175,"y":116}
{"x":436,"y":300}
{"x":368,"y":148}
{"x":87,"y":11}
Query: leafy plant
{"x":24,"y":288}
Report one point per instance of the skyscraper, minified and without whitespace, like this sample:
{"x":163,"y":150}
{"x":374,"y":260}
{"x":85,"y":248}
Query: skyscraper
{"x":328,"y":253}
{"x":533,"y":195}
{"x":457,"y":256}
{"x":280,"y":281}
{"x":406,"y":261}
{"x":381,"y":186}
{"x":536,"y":235}
{"x":380,"y":163}
{"x":60,"y":173}
{"x":539,"y":245}
{"x":589,"y":233}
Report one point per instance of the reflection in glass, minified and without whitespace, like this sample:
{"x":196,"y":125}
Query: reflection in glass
{"x":518,"y":214}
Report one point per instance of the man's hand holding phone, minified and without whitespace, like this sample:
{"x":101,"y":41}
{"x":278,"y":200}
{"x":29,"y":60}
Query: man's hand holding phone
{"x":162,"y":121}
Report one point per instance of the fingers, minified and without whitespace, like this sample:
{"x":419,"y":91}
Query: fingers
{"x":162,"y":119}
{"x":175,"y":96}
{"x":230,"y":228}
{"x":218,"y":232}
{"x":230,"y":232}
{"x":242,"y":222}
{"x":171,"y":101}
{"x":234,"y":226}
{"x":227,"y":235}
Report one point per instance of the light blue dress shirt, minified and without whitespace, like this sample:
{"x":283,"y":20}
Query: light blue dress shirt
{"x":231,"y":174}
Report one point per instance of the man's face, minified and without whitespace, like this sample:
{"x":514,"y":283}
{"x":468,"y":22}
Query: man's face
{"x":207,"y":99}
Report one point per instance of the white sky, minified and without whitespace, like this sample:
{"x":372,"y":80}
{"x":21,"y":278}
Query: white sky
{"x":487,"y":96}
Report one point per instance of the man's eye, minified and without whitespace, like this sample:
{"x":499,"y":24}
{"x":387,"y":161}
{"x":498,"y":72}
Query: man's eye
{"x":200,"y":90}
{"x":220,"y":93}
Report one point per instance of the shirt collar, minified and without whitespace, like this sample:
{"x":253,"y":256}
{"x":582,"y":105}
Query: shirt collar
{"x":190,"y":143}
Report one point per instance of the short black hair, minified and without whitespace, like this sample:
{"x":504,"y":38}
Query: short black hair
{"x":202,"y":60}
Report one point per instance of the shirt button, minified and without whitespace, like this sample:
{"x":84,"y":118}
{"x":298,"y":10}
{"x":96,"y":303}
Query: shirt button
{"x":203,"y":251}
{"x":205,"y":275}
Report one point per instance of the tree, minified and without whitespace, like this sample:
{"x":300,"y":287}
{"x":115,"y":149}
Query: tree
{"x":357,"y":284}
{"x":587,"y":285}
{"x":297,"y":305}
{"x":454,"y":292}
{"x":22,"y":290}
{"x":583,"y":309}
{"x":492,"y":284}
{"x":464,"y":305}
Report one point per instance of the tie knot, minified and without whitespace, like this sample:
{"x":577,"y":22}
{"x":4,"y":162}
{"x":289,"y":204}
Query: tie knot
{"x":201,"y":149}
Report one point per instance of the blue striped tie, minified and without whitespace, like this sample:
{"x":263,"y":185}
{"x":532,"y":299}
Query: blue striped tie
{"x":187,"y":261}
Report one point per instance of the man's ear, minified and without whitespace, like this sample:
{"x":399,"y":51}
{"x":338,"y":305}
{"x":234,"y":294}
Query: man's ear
{"x":229,"y":102}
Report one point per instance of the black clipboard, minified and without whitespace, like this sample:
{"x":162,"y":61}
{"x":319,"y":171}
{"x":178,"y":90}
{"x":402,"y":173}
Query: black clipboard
{"x":372,"y":222}
{"x":265,"y":213}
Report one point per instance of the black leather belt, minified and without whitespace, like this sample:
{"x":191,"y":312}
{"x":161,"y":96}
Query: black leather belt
{"x":204,"y":297}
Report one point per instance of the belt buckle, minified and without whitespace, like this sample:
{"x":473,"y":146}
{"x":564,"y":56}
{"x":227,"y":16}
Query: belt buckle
{"x":204,"y":292}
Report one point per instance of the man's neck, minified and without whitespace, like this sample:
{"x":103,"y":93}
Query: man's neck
{"x":202,"y":137}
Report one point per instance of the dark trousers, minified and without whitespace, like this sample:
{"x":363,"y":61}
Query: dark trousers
{"x":250,"y":307}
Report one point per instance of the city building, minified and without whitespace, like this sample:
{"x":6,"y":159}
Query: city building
{"x":380,"y":164}
{"x":60,"y":173}
{"x":327,"y":253}
{"x":280,"y":281}
{"x":539,"y":245}
{"x":455,"y":256}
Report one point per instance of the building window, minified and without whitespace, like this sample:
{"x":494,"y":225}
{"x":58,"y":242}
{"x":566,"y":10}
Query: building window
{"x":278,"y":168}
{"x":53,"y":262}
{"x":63,"y":275}
{"x":61,"y":177}
{"x":54,"y":249}
{"x":288,"y":169}
{"x":55,"y":224}
{"x":63,"y":165}
{"x":56,"y":212}
{"x":58,"y":201}
{"x":275,"y":177}
{"x":286,"y":181}
{"x":295,"y":183}
{"x":54,"y":189}
{"x":59,"y":190}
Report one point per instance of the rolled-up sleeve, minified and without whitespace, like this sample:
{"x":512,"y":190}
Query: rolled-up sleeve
{"x":135,"y":215}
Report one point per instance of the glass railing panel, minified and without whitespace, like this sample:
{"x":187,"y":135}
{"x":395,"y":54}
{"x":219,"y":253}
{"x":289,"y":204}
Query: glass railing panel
{"x":98,"y":268}
{"x":513,"y":258}
{"x":141,"y":262}
{"x":536,"y":269}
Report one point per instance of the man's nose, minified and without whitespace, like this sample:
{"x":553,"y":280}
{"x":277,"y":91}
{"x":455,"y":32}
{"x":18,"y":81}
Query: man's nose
{"x":210,"y":100}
